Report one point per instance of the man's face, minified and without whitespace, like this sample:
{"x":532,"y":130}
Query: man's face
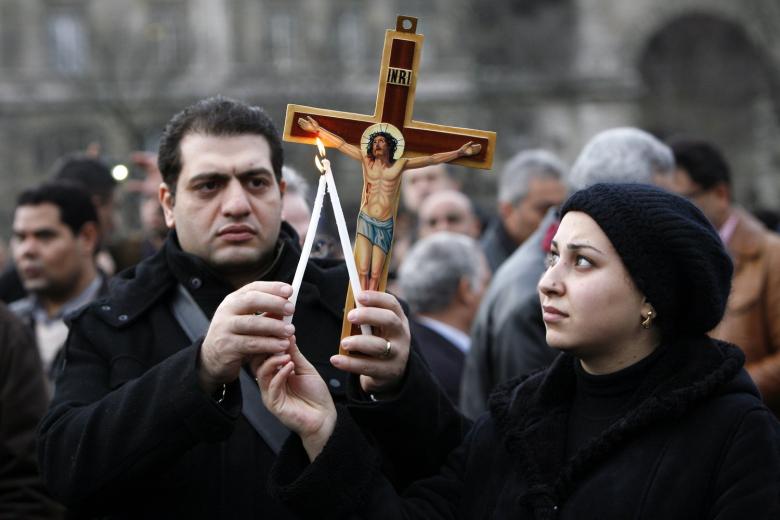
{"x":447,"y":210}
{"x":379,"y":146}
{"x":227,"y":207}
{"x":50,"y":259}
{"x":417,"y":184}
{"x":522,"y":218}
{"x":712,"y":202}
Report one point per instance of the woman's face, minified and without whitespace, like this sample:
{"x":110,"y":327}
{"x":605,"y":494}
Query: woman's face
{"x":590,"y":304}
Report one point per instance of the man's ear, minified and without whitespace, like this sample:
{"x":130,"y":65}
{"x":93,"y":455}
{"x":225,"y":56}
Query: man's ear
{"x":167,"y":200}
{"x":89,"y":236}
{"x":282,"y":186}
{"x":723,"y":191}
{"x":465,"y":292}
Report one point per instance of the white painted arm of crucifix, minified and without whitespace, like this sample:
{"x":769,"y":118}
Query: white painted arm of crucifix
{"x":466,"y":150}
{"x":310,"y":124}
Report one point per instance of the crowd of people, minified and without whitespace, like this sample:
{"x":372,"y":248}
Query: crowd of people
{"x":603,"y":343}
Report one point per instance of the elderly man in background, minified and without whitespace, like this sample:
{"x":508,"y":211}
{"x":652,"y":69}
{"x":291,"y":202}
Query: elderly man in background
{"x":530,"y":184}
{"x":295,"y":202}
{"x":448,"y":210}
{"x":508,"y":336}
{"x":752,"y":319}
{"x":443,"y":278}
{"x":416,"y":186}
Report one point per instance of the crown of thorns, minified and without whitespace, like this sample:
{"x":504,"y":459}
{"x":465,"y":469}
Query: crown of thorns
{"x":385,"y":130}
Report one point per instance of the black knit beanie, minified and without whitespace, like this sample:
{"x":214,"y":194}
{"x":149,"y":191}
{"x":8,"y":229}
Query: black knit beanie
{"x":670,"y":249}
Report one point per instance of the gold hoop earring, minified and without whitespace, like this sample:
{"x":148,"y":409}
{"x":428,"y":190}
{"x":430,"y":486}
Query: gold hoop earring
{"x":648,"y":320}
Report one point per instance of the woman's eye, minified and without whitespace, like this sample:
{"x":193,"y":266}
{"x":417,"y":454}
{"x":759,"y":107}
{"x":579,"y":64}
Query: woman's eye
{"x":581,"y":261}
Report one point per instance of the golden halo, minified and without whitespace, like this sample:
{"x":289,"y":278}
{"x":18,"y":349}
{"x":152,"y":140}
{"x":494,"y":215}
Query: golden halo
{"x":383,"y":127}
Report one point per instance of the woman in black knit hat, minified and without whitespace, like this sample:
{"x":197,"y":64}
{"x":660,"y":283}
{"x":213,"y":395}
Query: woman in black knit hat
{"x":640,"y":416}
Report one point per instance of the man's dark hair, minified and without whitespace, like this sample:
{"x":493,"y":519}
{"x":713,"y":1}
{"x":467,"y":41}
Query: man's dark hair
{"x":703,"y":162}
{"x":392,"y":144}
{"x":92,"y":174}
{"x":219,"y":117}
{"x":74,"y":202}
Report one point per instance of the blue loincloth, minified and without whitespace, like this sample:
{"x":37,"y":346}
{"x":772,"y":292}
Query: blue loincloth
{"x":378,"y":232}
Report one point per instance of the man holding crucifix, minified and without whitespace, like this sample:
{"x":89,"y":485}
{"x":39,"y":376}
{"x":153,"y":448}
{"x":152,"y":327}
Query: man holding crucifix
{"x":157,"y":413}
{"x":382,"y":168}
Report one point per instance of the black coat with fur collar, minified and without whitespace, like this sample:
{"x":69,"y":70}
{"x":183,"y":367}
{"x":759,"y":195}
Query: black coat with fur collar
{"x":697,"y":443}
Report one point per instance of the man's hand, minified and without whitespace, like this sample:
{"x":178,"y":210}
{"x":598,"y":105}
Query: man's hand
{"x":469,"y":149}
{"x":380,"y":369}
{"x":245,"y":325}
{"x":309,"y":124}
{"x":294,"y":392}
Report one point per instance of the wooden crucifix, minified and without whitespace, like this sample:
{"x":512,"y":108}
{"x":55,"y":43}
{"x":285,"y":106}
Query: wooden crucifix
{"x":387,"y":143}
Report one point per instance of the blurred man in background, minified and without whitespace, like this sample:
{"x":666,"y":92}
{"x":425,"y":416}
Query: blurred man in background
{"x":93,"y":176}
{"x":443,"y":279}
{"x":530,"y":184}
{"x":752,"y":319}
{"x":55,"y":238}
{"x":418,"y":184}
{"x":448,"y":210}
{"x":146,"y":241}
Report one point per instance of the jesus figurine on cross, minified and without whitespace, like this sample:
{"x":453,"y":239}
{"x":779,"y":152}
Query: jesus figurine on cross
{"x":382,"y":168}
{"x":387,"y":143}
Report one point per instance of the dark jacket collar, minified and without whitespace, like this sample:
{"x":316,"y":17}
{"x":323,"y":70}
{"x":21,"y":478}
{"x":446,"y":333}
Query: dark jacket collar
{"x":531,"y":413}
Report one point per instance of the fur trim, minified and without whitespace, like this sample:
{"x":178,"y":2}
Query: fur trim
{"x":531,"y":414}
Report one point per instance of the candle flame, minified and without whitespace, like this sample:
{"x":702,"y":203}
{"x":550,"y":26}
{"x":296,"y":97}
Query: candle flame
{"x":321,"y":147}
{"x":318,"y":164}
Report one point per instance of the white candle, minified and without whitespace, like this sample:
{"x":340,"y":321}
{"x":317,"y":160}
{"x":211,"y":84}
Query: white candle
{"x":307,"y":244}
{"x":346,"y":247}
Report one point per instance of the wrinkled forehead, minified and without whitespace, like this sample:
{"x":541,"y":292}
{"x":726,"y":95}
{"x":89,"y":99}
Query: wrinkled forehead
{"x":233,"y":154}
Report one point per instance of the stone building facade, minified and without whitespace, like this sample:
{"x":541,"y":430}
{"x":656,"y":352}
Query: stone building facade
{"x":539,"y":72}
